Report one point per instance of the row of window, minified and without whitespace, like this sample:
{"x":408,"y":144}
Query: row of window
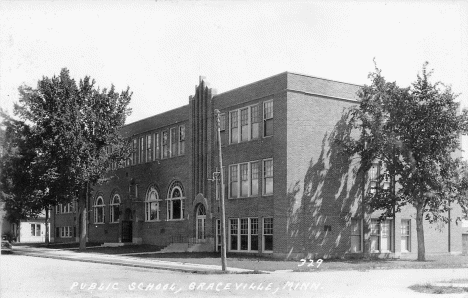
{"x":175,"y":205}
{"x":35,"y":229}
{"x":244,"y":178}
{"x":380,"y":236}
{"x":154,"y":146}
{"x":244,"y":123}
{"x":65,"y":208}
{"x":65,"y":232}
{"x":244,"y":234}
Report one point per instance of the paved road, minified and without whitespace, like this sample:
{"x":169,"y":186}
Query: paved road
{"x":26,"y":276}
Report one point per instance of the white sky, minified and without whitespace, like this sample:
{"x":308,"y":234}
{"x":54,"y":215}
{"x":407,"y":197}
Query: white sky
{"x":160,"y":49}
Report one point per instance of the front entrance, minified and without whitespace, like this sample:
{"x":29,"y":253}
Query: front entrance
{"x":200,"y":222}
{"x":127,"y":226}
{"x":465,"y":244}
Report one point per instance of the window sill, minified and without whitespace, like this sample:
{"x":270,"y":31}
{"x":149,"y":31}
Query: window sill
{"x":155,"y":220}
{"x":181,"y":219}
{"x":244,"y":251}
{"x":99,"y":223}
{"x":114,"y":222}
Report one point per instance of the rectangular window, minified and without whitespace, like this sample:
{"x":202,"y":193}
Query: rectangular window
{"x":375,"y":235}
{"x":234,"y":125}
{"x":66,"y":232}
{"x":356,"y":235}
{"x":244,"y":113}
{"x":182,"y":140}
{"x":149,"y":148}
{"x":35,"y":230}
{"x":233,"y":181}
{"x":254,"y":120}
{"x":244,"y":175}
{"x":165,"y":144}
{"x":157,"y":149}
{"x":222,"y":122}
{"x":268,"y":177}
{"x":233,"y":224}
{"x":222,"y":127}
{"x":405,"y":235}
{"x":243,"y":234}
{"x":174,"y":140}
{"x":381,"y":235}
{"x":175,"y":209}
{"x":141,"y":157}
{"x":268,"y":118}
{"x":218,"y":235}
{"x":268,"y":234}
{"x":152,"y":210}
{"x":254,"y":176}
{"x":374,"y":177}
{"x":134,"y":152}
{"x":253,"y":234}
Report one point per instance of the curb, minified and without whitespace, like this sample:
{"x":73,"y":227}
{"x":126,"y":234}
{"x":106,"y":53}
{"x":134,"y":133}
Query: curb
{"x":153,"y":266}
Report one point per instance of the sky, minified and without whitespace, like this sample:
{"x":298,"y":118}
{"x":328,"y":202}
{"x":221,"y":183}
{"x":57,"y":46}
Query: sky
{"x":160,"y":48}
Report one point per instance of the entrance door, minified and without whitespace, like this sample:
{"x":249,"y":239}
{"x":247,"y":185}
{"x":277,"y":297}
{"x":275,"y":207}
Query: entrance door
{"x":127,"y":226}
{"x":127,"y":231}
{"x":465,"y":243}
{"x":201,"y":217}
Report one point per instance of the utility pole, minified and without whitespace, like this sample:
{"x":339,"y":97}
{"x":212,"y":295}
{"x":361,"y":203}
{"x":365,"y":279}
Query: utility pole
{"x":223,"y":211}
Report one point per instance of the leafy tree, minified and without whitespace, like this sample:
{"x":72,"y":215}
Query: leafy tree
{"x":72,"y":126}
{"x":414,"y":133}
{"x":18,"y":178}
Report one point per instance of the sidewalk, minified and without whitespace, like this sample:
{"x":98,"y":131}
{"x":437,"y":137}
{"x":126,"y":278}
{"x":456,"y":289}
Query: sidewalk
{"x":122,"y":260}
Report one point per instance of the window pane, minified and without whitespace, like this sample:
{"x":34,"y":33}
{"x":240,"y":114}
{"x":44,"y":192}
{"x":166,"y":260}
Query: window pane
{"x":149,"y":148}
{"x":355,"y":243}
{"x":177,"y":209}
{"x":268,"y":119}
{"x":233,"y":179}
{"x":222,"y":122}
{"x":233,"y":232}
{"x":165,"y":144}
{"x":116,"y":212}
{"x":254,"y":119}
{"x":268,"y":234}
{"x":268,"y":177}
{"x":142,"y":150}
{"x":244,"y":231}
{"x":244,"y":171}
{"x":244,"y":125}
{"x":254,"y":173}
{"x":181,"y":140}
{"x":174,"y":140}
{"x":33,"y":230}
{"x":254,"y":234}
{"x":268,"y":239}
{"x":234,"y":127}
{"x":158,"y":151}
{"x":38,"y":230}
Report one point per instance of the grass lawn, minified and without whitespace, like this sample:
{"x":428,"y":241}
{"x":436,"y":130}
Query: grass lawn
{"x":429,"y":288}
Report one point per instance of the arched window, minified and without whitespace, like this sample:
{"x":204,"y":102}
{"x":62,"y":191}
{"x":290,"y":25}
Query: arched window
{"x":175,"y":202}
{"x":152,"y":205}
{"x":99,"y":210}
{"x":114,"y":208}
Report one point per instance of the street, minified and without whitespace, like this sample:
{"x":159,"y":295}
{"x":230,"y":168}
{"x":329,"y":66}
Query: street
{"x":25,"y":276}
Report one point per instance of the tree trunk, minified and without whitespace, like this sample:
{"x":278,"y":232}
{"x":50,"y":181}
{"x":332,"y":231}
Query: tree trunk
{"x":420,"y":231}
{"x":47,"y":226}
{"x":84,"y":218}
